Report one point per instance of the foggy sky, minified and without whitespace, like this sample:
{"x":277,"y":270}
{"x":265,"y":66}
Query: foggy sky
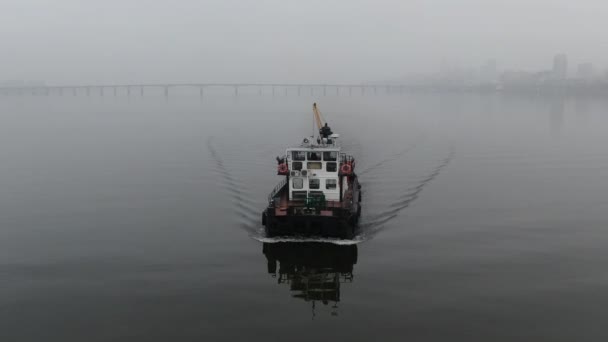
{"x":123,"y":41}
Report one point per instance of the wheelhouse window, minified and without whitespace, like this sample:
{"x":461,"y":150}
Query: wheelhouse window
{"x":298,"y":195}
{"x":314,"y":155}
{"x":330,"y":156}
{"x":296,"y":165}
{"x":314,"y":183}
{"x":316,"y":194}
{"x":298,"y":155}
{"x":297,"y":183}
{"x":331,"y":184}
{"x":331,"y":166}
{"x":314,"y":165}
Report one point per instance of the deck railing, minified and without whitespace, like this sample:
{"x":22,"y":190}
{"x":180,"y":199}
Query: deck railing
{"x":302,"y":203}
{"x":277,"y":189}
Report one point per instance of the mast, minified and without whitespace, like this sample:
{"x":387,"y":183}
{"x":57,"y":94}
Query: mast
{"x":324,"y":130}
{"x":317,"y":114}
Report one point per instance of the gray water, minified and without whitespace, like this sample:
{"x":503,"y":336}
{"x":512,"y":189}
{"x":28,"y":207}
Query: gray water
{"x":136,"y":219}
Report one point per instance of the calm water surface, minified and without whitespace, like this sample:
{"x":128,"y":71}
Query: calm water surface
{"x":485,"y":219}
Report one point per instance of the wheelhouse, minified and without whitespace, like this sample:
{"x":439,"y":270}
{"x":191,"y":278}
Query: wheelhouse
{"x":313,"y":172}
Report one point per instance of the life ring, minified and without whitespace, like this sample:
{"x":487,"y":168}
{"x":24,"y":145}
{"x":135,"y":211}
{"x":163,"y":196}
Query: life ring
{"x":283,"y":168}
{"x":346,"y":168}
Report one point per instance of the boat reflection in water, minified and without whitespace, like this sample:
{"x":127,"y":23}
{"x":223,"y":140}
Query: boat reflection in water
{"x":313,"y":271}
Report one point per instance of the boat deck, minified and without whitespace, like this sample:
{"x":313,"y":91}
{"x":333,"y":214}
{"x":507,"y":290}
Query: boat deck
{"x":284,"y":203}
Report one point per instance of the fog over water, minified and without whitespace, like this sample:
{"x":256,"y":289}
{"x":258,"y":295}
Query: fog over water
{"x":139,"y":219}
{"x":134,"y":213}
{"x":127,"y":41}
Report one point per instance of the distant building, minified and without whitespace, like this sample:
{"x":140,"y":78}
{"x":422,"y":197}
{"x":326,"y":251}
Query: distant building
{"x":560,"y":66}
{"x":518,"y":78}
{"x":544,"y":76}
{"x":488,"y":73}
{"x":585,"y":71}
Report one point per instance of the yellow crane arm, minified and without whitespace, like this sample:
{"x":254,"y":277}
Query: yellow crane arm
{"x":317,"y":114}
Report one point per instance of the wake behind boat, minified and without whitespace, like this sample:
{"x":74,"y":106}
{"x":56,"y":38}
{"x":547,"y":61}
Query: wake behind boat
{"x":320,"y":194}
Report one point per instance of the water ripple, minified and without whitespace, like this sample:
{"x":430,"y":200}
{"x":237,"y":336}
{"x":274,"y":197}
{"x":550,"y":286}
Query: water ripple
{"x":376,"y":222}
{"x":244,"y":205}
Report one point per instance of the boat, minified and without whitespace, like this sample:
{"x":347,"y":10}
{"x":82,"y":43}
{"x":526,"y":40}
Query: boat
{"x":319,"y":194}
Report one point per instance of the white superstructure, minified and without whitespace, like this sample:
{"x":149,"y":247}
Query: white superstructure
{"x":313,"y":170}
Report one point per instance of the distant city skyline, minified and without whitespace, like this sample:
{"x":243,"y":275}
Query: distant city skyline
{"x":488,"y":72}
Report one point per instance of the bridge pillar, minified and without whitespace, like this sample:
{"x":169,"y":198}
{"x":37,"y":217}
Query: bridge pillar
{"x":88,"y":91}
{"x":166,"y":93}
{"x":273,"y":91}
{"x":350,"y":91}
{"x":128,"y":91}
{"x":259,"y":90}
{"x":74,"y":91}
{"x":362,"y":90}
{"x":101,"y":91}
{"x":141,"y":91}
{"x":114,"y":88}
{"x":201,"y":92}
{"x":337,"y":91}
{"x":236,"y":91}
{"x":375,"y":90}
{"x":285,"y":91}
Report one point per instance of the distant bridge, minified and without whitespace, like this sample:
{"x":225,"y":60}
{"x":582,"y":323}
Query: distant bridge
{"x":300,"y":89}
{"x":274,"y":88}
